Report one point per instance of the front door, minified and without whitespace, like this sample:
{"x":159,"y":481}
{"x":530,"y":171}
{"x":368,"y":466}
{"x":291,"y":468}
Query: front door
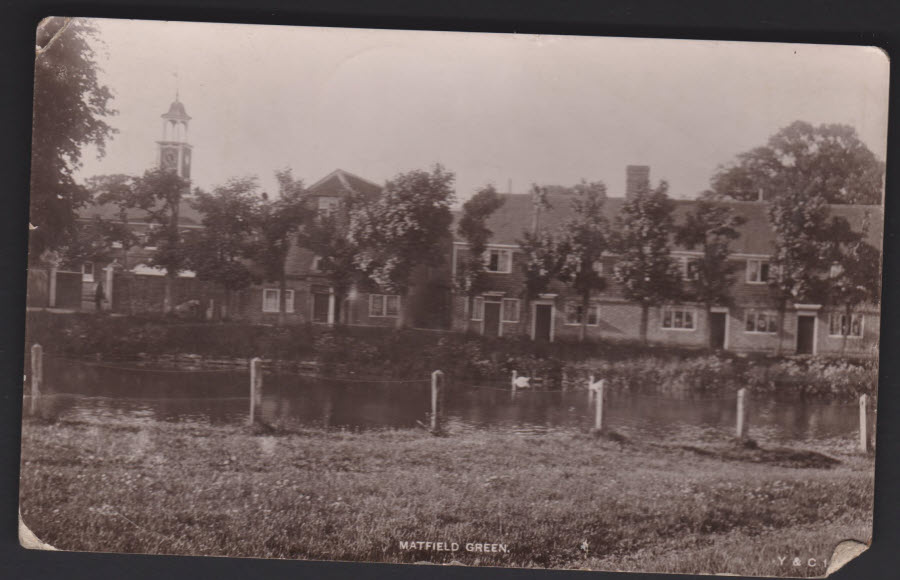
{"x":717,"y":329}
{"x":320,"y":307}
{"x":543,"y":322}
{"x":492,"y":319}
{"x":806,"y":332}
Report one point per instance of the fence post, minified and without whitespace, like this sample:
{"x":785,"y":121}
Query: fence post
{"x":437,"y":401}
{"x":863,"y":423}
{"x":741,"y":430}
{"x":37,"y":374}
{"x":590,"y":389}
{"x":255,"y":386}
{"x":599,"y":408}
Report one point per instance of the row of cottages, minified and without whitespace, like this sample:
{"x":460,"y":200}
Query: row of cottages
{"x":748,"y":324}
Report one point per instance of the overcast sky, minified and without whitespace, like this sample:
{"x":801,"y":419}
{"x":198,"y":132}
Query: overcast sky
{"x":490,"y":107}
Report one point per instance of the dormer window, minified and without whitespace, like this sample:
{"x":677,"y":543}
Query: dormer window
{"x":498,"y":261}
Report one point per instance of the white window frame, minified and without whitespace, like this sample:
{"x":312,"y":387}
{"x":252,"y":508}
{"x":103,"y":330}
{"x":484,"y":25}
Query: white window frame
{"x":503,"y":303}
{"x":758,"y":271}
{"x":841,"y":315}
{"x":683,"y":310}
{"x":501,"y":252}
{"x":87,"y":276}
{"x":383,"y":300}
{"x":478,"y":308}
{"x":332,"y":203}
{"x":576,"y":305}
{"x":266,"y":292}
{"x":288,"y":301}
{"x":756,"y":312}
{"x":315,"y":265}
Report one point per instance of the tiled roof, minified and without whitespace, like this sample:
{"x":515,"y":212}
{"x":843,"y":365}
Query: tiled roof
{"x":187,"y":215}
{"x":515,"y":216}
{"x":340,"y":182}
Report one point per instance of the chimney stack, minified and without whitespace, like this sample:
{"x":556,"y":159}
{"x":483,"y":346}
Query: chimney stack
{"x":637,"y":178}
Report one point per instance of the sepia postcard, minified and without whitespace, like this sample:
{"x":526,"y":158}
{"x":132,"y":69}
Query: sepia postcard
{"x":453,"y":298}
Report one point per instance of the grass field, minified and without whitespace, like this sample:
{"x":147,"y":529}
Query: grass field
{"x":559,"y":500}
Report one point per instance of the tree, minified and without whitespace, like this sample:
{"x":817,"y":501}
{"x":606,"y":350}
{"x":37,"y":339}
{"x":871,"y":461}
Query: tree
{"x":583,"y":239}
{"x":70,"y":111}
{"x":472,"y":227}
{"x":855,"y":273}
{"x":113,"y":189}
{"x":829,"y":158}
{"x":278,"y":223}
{"x":711,"y":227}
{"x":645,"y":269}
{"x":219,"y":252}
{"x":158,"y":194}
{"x":406,"y":227}
{"x":799,"y":218}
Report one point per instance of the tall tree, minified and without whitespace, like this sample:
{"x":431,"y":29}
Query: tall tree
{"x":157,"y":194}
{"x":71,"y":108}
{"x":279,"y":223}
{"x":829,"y":158}
{"x":855,"y":273}
{"x":645,"y":268}
{"x":472,"y":227}
{"x":219,"y":252}
{"x":583,"y":240}
{"x":712,"y":228}
{"x":406,"y":227}
{"x":799,"y":218}
{"x":114,"y":190}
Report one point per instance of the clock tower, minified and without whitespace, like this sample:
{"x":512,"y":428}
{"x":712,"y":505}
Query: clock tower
{"x":174,"y":150}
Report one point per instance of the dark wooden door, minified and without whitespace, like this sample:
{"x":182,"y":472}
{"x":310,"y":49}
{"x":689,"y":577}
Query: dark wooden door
{"x":320,"y":307}
{"x":492,"y":319}
{"x":543,"y":320}
{"x":717,"y":329}
{"x":806,"y":326}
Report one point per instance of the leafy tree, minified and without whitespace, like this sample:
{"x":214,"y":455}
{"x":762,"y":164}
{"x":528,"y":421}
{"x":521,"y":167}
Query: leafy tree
{"x":645,"y":268}
{"x":113,"y":189}
{"x":829,"y":159}
{"x":472,"y":227}
{"x":158,"y":194}
{"x":70,"y":111}
{"x":711,"y":227}
{"x":278,"y":223}
{"x":219,"y":251}
{"x":855,"y":273}
{"x":406,"y":227}
{"x":799,"y":263}
{"x":583,"y":239}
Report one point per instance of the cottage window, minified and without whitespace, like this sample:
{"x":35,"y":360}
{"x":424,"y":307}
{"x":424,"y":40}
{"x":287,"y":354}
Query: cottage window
{"x":757,"y":271}
{"x":271,"y":299}
{"x":478,"y":308}
{"x":575,"y":314}
{"x":288,"y":300}
{"x":690,"y":268}
{"x":678,"y":318}
{"x":761,"y":322}
{"x":327,"y":205}
{"x":840,"y":325}
{"x":384,"y":305}
{"x":510,"y":310}
{"x":498,"y":261}
{"x":87,"y":272}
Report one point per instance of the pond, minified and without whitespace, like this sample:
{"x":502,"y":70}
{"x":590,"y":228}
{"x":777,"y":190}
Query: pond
{"x":82,"y":390}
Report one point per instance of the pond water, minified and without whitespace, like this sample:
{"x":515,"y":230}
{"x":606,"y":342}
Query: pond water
{"x":80,"y":390}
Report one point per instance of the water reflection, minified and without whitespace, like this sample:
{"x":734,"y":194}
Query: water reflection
{"x":84,"y":391}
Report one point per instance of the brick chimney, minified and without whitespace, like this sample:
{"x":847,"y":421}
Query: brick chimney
{"x":637,"y":178}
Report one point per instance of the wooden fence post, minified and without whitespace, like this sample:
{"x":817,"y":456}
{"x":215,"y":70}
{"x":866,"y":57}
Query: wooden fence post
{"x":863,"y":423}
{"x":37,"y":374}
{"x":741,"y":429}
{"x":255,"y":386}
{"x":437,"y":401}
{"x":599,"y":408}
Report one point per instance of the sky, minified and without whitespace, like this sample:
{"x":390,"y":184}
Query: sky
{"x":504,"y":109}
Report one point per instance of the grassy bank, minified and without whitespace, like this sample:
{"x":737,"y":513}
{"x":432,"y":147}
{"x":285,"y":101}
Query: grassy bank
{"x":555,"y":501}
